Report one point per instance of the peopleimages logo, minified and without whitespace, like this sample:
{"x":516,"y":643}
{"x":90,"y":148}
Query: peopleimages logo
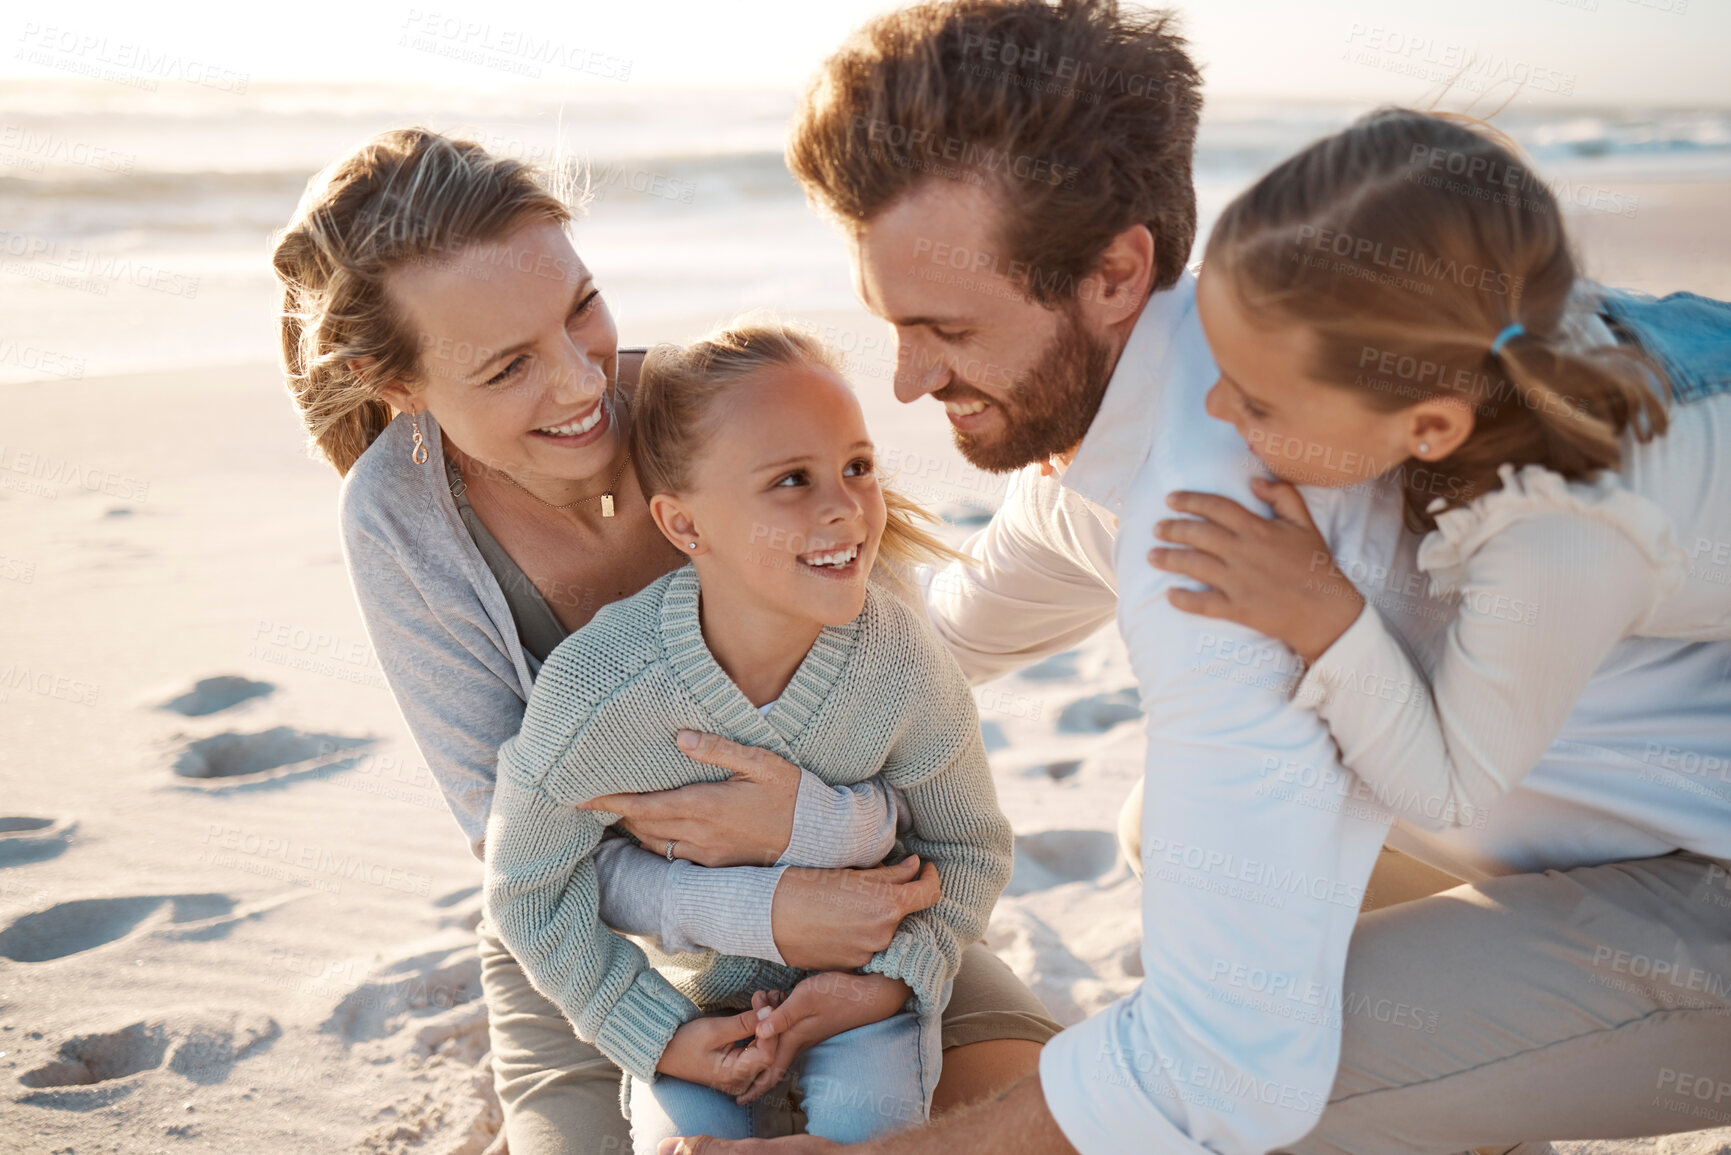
{"x":966,"y":153}
{"x":1400,"y":259}
{"x":43,"y":473}
{"x":38,"y":147}
{"x":521,"y":51}
{"x":1464,"y":66}
{"x":101,"y":57}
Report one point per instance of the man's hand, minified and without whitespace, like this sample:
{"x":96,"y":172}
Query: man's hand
{"x":746,"y":820}
{"x":832,"y":920}
{"x":705,"y":1051}
{"x":1273,"y":574}
{"x":819,"y":1007}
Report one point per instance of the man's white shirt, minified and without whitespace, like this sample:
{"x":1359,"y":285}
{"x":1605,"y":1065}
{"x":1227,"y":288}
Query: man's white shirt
{"x":1256,"y":843}
{"x":1246,"y":889}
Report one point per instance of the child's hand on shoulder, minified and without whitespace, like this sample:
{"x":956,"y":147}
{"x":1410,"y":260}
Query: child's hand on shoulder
{"x":820,"y":1006}
{"x":1273,"y":574}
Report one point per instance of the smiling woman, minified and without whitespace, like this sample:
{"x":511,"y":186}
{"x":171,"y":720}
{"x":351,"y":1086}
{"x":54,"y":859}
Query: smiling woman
{"x":533,"y":406}
{"x":453,"y":357}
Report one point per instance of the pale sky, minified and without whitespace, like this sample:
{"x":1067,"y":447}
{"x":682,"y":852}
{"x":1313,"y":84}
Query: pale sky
{"x":1585,"y":53}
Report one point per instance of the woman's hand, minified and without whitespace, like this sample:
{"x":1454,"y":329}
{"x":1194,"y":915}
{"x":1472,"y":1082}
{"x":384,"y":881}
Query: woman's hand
{"x":746,"y":820}
{"x":1275,"y":575}
{"x":818,"y":1007}
{"x":705,"y":1051}
{"x":827,"y":920}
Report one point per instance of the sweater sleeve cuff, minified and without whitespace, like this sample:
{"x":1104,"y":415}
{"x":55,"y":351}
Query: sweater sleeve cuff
{"x":641,"y":1023}
{"x":840,"y":826}
{"x":727,"y":910}
{"x":916,"y":961}
{"x":1353,"y":650}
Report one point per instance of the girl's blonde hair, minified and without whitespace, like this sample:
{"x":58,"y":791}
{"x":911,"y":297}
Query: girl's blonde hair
{"x":407,"y":195}
{"x":1406,"y":244}
{"x":670,"y":422}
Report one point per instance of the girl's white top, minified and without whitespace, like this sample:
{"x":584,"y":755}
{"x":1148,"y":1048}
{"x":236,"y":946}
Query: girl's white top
{"x":1548,"y":577}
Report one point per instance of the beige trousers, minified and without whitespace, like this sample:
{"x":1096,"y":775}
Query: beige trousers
{"x":1592,"y":1003}
{"x":561,"y":1096}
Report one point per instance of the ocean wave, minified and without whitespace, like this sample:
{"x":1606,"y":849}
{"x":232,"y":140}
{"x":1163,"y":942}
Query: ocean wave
{"x":1606,"y":136}
{"x":646,"y":157}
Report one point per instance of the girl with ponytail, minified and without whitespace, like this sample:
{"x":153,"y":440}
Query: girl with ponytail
{"x":1397,"y":307}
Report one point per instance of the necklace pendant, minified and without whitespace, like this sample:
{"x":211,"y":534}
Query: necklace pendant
{"x":606,"y":505}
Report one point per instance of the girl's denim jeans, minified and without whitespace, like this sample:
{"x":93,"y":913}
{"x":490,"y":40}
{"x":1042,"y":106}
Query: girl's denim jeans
{"x":861,"y":1083}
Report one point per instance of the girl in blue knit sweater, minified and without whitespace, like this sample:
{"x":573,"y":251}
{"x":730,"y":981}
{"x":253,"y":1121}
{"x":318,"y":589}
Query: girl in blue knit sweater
{"x":752,"y":452}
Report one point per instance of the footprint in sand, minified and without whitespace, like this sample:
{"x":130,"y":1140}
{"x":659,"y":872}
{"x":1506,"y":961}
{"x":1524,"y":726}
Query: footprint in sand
{"x":1058,"y":667}
{"x":99,"y":1058}
{"x":29,"y":838}
{"x":418,"y":988}
{"x":203,"y":1050}
{"x":208,"y":1049}
{"x":465,"y":908}
{"x":1058,"y":771}
{"x":210,"y":695}
{"x":70,"y":928}
{"x":423,"y":1008}
{"x":234,"y":759}
{"x":1099,"y":712}
{"x":462,"y":894}
{"x":1054,"y":857}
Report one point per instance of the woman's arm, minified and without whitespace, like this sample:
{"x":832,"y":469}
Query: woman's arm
{"x":845,"y":825}
{"x":820,"y":920}
{"x":769,"y":812}
{"x":688,"y":908}
{"x":428,"y":642}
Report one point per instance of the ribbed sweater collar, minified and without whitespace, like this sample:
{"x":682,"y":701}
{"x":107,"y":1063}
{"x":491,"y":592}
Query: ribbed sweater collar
{"x":689,"y":658}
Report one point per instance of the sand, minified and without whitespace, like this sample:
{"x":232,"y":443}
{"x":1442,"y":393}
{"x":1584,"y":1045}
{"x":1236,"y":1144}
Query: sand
{"x":234,"y":913}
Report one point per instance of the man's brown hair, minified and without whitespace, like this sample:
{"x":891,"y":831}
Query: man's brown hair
{"x":1079,"y":114}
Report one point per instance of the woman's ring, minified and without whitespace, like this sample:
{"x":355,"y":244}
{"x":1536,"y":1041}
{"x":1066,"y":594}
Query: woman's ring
{"x":671,"y":843}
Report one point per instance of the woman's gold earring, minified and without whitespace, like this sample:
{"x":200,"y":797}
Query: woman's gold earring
{"x":419,"y":455}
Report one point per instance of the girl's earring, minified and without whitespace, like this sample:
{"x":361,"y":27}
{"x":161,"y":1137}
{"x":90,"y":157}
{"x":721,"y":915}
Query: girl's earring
{"x":693,"y":545}
{"x":1424,"y":447}
{"x":419,"y":453}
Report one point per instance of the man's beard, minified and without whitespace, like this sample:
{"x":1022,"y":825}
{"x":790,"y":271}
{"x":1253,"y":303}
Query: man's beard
{"x":1049,"y":410}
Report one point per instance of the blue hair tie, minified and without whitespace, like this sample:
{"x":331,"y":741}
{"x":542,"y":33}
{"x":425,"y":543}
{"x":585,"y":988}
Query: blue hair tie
{"x":1507,"y":335}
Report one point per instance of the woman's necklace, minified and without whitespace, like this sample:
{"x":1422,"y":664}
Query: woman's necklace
{"x":605,"y":498}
